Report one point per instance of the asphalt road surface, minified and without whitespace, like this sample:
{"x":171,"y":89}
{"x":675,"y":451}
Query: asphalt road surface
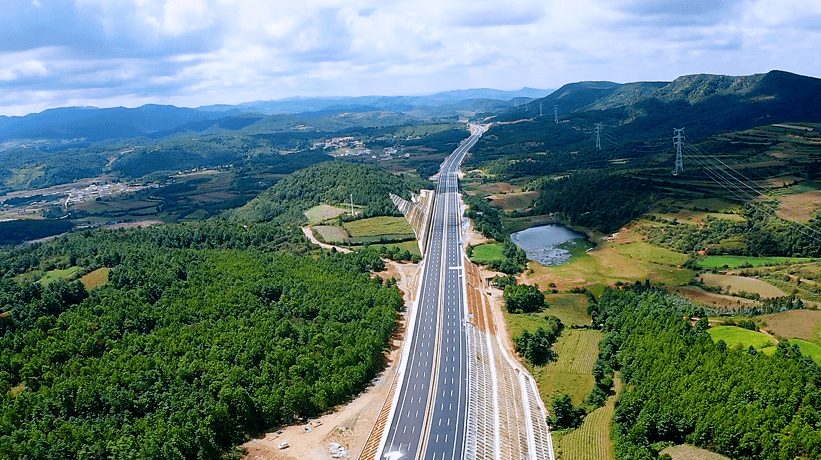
{"x":429,"y":418}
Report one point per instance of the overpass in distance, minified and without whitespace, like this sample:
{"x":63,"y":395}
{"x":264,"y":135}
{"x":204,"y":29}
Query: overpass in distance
{"x":445,"y":404}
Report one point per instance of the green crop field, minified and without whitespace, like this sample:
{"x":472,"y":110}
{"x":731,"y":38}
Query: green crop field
{"x":487,"y":252}
{"x":55,"y":275}
{"x":590,"y":441}
{"x":738,"y":261}
{"x":733,"y":336}
{"x":330,"y":233}
{"x":645,"y":251}
{"x":571,"y":309}
{"x":571,"y":373}
{"x":376,"y":226}
{"x":323,"y":212}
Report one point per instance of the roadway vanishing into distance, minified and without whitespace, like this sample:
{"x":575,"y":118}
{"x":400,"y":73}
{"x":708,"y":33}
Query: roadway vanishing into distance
{"x":429,"y":414}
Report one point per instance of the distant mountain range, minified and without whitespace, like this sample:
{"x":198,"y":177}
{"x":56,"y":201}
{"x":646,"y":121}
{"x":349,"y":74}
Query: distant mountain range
{"x":95,"y":124}
{"x":704,"y":103}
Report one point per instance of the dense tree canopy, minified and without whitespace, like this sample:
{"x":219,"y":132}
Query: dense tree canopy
{"x":523,"y":298}
{"x":682,"y":387}
{"x":187,"y":350}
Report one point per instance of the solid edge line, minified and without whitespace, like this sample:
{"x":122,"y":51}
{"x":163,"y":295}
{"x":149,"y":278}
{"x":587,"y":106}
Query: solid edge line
{"x":436,"y":342}
{"x":404,"y":358}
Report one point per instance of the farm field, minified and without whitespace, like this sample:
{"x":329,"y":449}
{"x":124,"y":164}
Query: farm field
{"x":688,"y":452}
{"x":735,"y":284}
{"x":799,"y":206}
{"x":323,"y":212}
{"x":591,"y":441}
{"x":648,"y":252}
{"x":376,"y":226}
{"x":711,"y":299}
{"x":55,"y":275}
{"x":571,"y":373}
{"x":330,"y":233}
{"x":484,"y":253}
{"x":734,"y":336}
{"x":576,"y":349}
{"x":742,"y":261}
{"x":801,"y":324}
{"x":96,"y":278}
{"x":513,"y":201}
{"x":571,"y":309}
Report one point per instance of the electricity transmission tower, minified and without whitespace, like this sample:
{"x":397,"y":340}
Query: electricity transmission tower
{"x":598,"y":136}
{"x":540,"y":109}
{"x":555,"y":114}
{"x":678,"y":140}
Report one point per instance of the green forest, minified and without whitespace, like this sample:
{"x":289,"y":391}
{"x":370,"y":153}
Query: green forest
{"x":203,"y":336}
{"x":683,"y":388}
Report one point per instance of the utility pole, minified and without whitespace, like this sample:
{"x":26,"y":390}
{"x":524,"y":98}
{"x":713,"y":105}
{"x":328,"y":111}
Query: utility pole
{"x":352,"y":214}
{"x":678,"y":140}
{"x":555,"y":114}
{"x":598,"y":136}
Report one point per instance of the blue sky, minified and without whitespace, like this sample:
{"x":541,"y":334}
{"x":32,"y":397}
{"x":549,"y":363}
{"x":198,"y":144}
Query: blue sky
{"x":105,"y":53}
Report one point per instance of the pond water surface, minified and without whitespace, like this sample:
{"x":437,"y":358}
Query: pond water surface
{"x":552,"y":244}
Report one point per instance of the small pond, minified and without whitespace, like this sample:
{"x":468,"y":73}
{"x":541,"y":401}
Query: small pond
{"x":552,"y":244}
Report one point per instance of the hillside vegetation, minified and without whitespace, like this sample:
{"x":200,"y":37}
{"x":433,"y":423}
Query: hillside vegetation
{"x":186,"y":350}
{"x":329,"y":183}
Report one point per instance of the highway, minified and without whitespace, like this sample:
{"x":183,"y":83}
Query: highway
{"x":428,"y":418}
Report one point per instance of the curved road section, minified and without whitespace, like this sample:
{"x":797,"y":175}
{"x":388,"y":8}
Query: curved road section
{"x":428,"y":416}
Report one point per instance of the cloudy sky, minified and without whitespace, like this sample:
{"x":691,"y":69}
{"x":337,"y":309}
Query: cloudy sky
{"x":107,"y":53}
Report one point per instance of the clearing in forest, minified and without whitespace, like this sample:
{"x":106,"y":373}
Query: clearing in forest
{"x":737,"y":336}
{"x":330,"y":233}
{"x":62,"y":274}
{"x":513,"y":201}
{"x":96,"y":278}
{"x":323,"y":212}
{"x":484,"y":253}
{"x":571,"y":309}
{"x":688,"y":452}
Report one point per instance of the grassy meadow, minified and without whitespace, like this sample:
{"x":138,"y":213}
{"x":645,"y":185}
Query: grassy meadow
{"x":736,"y":336}
{"x":484,"y":253}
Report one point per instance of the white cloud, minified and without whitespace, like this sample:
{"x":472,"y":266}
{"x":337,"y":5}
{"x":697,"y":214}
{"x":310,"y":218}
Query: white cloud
{"x":228,"y":51}
{"x":17,"y":70}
